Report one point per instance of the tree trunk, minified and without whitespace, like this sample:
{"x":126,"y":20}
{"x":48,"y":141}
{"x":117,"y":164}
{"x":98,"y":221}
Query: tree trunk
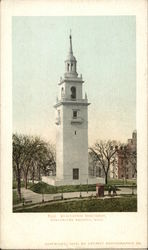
{"x":39,"y":173}
{"x":15,"y":174}
{"x":25,"y":179}
{"x":19,"y":184}
{"x":33,"y":175}
{"x":106,"y":179}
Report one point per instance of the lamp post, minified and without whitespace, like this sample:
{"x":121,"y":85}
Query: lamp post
{"x":133,"y":189}
{"x":42,"y":197}
{"x":62,"y":194}
{"x":80,"y":191}
{"x":42,"y":194}
{"x":87,"y":185}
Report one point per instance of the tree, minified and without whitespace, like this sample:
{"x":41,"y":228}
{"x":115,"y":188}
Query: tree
{"x":105,"y":153}
{"x":29,"y":155}
{"x":94,"y":165}
{"x":18,"y":159}
{"x":48,"y":163}
{"x":34,"y":150}
{"x":44,"y":162}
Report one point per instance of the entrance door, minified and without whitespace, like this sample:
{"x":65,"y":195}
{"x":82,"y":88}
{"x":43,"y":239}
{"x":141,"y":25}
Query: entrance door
{"x":75,"y":173}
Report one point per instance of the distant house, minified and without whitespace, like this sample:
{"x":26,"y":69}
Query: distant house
{"x":113,"y":171}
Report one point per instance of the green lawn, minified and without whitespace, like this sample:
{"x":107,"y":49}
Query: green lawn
{"x":29,"y":184}
{"x":124,"y":204}
{"x":121,"y":182}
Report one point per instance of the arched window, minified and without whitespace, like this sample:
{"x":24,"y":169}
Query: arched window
{"x":73,"y":92}
{"x":68,"y":66}
{"x":100,"y":172}
{"x":71,"y":66}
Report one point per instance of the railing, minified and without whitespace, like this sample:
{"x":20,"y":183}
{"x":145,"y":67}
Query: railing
{"x":76,"y":120}
{"x":72,"y":100}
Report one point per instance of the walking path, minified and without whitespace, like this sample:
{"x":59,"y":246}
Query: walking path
{"x":33,"y":197}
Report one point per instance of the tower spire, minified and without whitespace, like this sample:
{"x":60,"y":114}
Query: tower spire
{"x":70,"y":62}
{"x":70,"y":37}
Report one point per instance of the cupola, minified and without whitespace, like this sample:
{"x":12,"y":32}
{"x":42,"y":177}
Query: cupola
{"x":70,"y":62}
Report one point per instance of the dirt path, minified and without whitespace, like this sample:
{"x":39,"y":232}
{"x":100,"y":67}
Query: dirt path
{"x":34,"y":198}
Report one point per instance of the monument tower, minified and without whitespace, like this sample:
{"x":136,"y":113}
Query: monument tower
{"x":71,"y":125}
{"x":71,"y":128}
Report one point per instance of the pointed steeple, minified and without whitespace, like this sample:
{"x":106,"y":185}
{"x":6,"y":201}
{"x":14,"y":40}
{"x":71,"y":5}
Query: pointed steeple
{"x":70,"y":63}
{"x":70,"y":49}
{"x":70,"y":53}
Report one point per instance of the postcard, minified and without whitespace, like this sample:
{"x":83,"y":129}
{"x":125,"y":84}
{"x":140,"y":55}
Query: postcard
{"x":74,"y":124}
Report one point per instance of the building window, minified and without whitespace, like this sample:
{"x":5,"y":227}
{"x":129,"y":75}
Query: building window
{"x":75,"y":173}
{"x":73,"y":92}
{"x":75,"y":112}
{"x":71,"y":66}
{"x":75,"y":132}
{"x":62,"y":92}
{"x":99,"y":172}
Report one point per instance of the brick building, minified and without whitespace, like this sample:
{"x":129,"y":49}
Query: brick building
{"x":127,"y":159}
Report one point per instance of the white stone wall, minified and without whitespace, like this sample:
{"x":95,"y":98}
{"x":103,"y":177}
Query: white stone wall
{"x":55,"y":182}
{"x":75,"y":148}
{"x":72,"y":143}
{"x":67,"y":90}
{"x":59,"y":145}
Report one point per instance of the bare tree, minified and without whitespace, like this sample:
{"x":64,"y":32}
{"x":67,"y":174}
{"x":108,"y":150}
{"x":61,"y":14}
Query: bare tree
{"x":94,"y":165}
{"x":18,"y":160}
{"x":49,"y":163}
{"x":29,"y":152}
{"x":105,"y":153}
{"x":43,"y":162}
{"x":34,"y":148}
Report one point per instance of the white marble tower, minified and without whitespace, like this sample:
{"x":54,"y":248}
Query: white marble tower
{"x":71,"y":128}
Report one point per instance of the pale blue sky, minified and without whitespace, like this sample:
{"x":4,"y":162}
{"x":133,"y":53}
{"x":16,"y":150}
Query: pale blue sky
{"x":105,"y":49}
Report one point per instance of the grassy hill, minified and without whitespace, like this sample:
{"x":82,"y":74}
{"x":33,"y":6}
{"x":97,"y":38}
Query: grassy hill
{"x":42,"y":187}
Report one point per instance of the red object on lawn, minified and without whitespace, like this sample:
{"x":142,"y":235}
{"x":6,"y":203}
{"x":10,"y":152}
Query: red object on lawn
{"x":99,"y":190}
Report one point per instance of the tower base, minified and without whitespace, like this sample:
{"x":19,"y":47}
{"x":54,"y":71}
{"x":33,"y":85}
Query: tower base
{"x":52,"y":180}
